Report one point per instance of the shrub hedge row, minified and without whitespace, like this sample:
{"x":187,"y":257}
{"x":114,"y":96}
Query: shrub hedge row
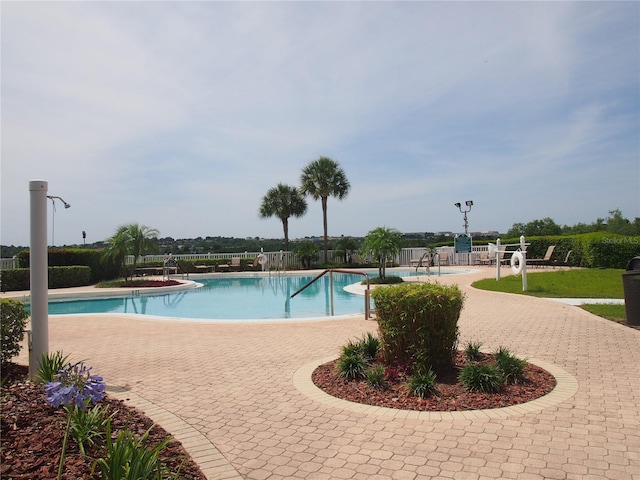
{"x":590,"y":250}
{"x":70,"y":257}
{"x":59,"y":277}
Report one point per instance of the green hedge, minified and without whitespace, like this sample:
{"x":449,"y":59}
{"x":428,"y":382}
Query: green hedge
{"x":58,"y":277}
{"x":418,"y":324}
{"x":68,"y":257}
{"x":590,"y":250}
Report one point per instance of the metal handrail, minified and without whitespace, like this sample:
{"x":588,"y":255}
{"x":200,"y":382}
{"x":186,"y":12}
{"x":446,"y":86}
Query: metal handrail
{"x":330,"y":271}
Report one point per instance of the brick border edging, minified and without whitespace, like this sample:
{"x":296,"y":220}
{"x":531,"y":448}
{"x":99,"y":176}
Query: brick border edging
{"x":211,"y":462}
{"x":566,"y":387}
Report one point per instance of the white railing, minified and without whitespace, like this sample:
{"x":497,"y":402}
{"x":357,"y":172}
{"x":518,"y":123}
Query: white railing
{"x":285,"y":260}
{"x":8,"y":263}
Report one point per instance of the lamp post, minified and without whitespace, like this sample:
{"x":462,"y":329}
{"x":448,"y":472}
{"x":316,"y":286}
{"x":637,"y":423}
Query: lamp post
{"x":468,"y":203}
{"x":53,"y":199}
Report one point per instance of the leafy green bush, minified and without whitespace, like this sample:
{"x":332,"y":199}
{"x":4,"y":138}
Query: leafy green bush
{"x":510,"y":367}
{"x":423,"y":384}
{"x":418,"y":324}
{"x":375,"y":377}
{"x":14,"y":319}
{"x":472,"y":351}
{"x":351,"y":366}
{"x":480,"y":378}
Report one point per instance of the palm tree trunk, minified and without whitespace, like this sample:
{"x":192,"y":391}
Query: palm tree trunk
{"x":324,"y":224}
{"x":285,"y":227}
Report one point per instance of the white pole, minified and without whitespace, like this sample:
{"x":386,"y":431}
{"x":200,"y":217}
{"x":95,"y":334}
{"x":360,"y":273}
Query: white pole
{"x":523,"y":249}
{"x":38,"y":275}
{"x":498,"y":259}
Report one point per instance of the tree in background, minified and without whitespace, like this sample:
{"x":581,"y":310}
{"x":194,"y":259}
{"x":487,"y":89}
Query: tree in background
{"x":344,"y":247}
{"x":546,"y":226}
{"x":321,"y":179}
{"x":132,"y":239}
{"x":383,"y":244}
{"x":283,"y":202}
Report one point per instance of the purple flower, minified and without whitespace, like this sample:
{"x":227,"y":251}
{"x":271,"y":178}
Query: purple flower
{"x":75,"y":385}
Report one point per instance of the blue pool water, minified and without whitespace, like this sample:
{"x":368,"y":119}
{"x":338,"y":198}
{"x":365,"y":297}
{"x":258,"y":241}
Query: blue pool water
{"x":235,"y":298}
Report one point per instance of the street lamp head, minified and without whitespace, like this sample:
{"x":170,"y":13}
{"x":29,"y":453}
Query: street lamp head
{"x":468,"y":203}
{"x":66,"y":205}
{"x":457,"y":204}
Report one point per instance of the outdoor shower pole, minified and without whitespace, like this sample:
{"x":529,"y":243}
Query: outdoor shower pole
{"x":39,"y":339}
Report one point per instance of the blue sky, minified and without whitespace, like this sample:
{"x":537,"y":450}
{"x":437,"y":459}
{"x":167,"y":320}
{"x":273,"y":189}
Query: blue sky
{"x":181,"y":115}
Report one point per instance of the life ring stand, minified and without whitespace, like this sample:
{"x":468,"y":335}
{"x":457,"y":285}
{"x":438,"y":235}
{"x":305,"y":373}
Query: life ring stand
{"x":517,"y":263}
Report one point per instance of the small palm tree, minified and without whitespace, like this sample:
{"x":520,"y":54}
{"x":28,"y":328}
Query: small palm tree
{"x":132,"y":239}
{"x":283,"y":202}
{"x":321,"y":179}
{"x":382,"y":244}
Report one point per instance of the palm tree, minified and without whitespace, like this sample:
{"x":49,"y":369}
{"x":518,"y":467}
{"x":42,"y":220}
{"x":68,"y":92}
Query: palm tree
{"x":283,"y":202}
{"x":382,"y":244}
{"x":132,"y":239}
{"x":323,"y":178}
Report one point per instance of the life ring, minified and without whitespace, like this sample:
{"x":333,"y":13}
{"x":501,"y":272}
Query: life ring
{"x":517,"y":263}
{"x":262,"y":259}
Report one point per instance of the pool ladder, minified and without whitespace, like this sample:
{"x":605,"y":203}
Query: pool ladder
{"x":330,"y":271}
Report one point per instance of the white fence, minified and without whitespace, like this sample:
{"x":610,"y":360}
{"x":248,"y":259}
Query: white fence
{"x":290,"y":260}
{"x":8,"y":263}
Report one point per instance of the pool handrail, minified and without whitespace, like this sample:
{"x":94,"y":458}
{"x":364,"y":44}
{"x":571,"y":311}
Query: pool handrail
{"x":367,"y":312}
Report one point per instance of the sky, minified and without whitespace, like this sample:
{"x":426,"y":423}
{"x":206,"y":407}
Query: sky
{"x":181,"y":115}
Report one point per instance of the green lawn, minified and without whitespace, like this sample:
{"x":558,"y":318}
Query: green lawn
{"x":578,"y":283}
{"x":617,"y":313}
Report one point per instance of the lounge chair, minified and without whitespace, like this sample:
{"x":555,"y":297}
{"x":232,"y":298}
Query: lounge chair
{"x":484,"y":258}
{"x":235,"y":264}
{"x":541,"y":262}
{"x":443,"y":258}
{"x":564,"y":263}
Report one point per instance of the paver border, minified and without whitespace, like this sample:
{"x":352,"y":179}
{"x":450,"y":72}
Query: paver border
{"x":566,"y":387}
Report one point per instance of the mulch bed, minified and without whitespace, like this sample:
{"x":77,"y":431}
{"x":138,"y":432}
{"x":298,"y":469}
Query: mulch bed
{"x":452,"y":396}
{"x":32,"y":434}
{"x":150,"y":283}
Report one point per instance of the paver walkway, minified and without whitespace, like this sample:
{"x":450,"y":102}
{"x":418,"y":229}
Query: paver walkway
{"x":227,"y":391}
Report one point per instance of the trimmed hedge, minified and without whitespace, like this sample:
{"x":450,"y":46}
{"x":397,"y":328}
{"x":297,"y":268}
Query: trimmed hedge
{"x":418,"y":324}
{"x":58,"y":277}
{"x":68,"y":257}
{"x":590,"y":250}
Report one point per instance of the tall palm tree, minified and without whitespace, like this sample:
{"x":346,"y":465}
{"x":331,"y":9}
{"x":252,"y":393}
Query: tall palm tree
{"x":283,"y":202}
{"x":132,"y":239}
{"x":321,"y":179}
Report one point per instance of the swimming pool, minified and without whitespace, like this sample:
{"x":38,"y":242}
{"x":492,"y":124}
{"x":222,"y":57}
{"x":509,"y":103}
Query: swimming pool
{"x":255,"y":297}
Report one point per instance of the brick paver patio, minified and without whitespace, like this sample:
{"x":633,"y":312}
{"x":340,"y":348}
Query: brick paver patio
{"x":236,"y":396}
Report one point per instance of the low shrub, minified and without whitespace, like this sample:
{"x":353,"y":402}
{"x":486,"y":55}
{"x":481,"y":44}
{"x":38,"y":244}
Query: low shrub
{"x":369,"y":345}
{"x":472,"y":351}
{"x":50,"y":365}
{"x":423,"y":384}
{"x":13,"y":318}
{"x":481,"y":378}
{"x":351,"y":366}
{"x":375,"y":377}
{"x":510,"y":367}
